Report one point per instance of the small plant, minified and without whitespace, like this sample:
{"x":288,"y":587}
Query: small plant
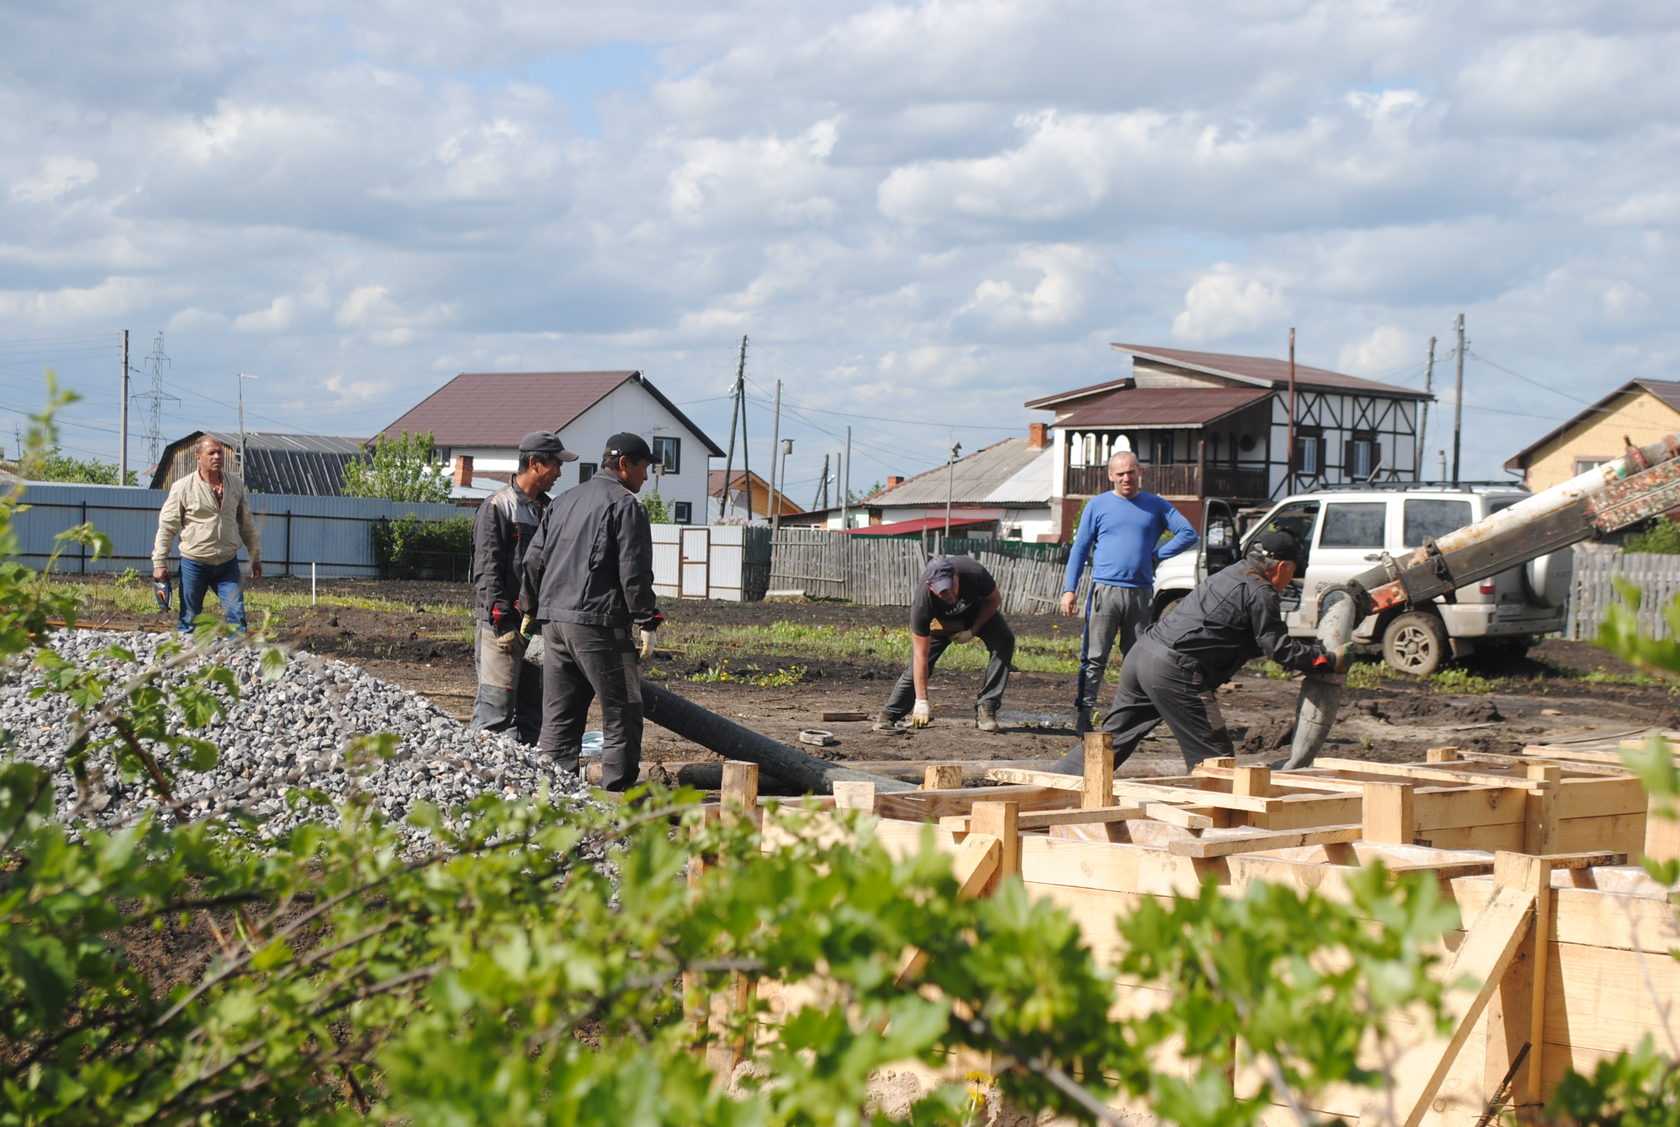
{"x":1456,"y":680}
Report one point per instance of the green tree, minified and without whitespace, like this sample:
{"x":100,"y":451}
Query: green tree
{"x":657,"y":510}
{"x":55,"y":465}
{"x":1660,"y":536}
{"x":399,"y":469}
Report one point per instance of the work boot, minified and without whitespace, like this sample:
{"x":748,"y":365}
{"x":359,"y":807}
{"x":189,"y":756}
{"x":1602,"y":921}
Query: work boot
{"x":985,"y":718}
{"x":886,"y":722}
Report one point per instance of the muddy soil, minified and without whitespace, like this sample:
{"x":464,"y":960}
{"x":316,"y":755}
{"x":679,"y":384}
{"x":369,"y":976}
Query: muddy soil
{"x":1541,"y":698}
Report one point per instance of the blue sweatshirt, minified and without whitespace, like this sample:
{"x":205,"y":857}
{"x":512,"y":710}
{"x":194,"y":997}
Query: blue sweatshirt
{"x":1126,"y":535}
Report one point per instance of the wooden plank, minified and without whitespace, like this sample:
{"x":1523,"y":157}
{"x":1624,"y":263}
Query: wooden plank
{"x":1186,"y":817}
{"x":1662,"y":834}
{"x":1044,"y":819}
{"x":1606,"y":1000}
{"x":1192,"y":795}
{"x":1595,"y":797}
{"x":943,"y":776}
{"x":1301,"y":811}
{"x":931,"y":805}
{"x":1240,"y":841}
{"x":830,"y":716}
{"x":975,"y":866}
{"x":1419,"y":773}
{"x":1253,"y":781}
{"x":852,"y":794}
{"x":1540,"y":824}
{"x":1488,"y":947}
{"x":999,"y":820}
{"x":1388,"y":813}
{"x":1098,"y":780}
{"x":1104,"y":867}
{"x":1439,"y":808}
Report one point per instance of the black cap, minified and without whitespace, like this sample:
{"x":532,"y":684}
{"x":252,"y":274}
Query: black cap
{"x":1278,"y":544}
{"x":546,"y":443}
{"x":940,"y":576}
{"x":627,"y":445}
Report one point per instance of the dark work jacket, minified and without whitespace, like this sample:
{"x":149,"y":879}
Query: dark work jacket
{"x":591,"y":561}
{"x":1229,"y":620}
{"x":502,"y":531}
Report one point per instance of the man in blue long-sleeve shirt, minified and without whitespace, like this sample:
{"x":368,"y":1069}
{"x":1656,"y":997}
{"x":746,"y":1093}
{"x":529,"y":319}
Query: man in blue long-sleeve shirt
{"x":1120,"y":533}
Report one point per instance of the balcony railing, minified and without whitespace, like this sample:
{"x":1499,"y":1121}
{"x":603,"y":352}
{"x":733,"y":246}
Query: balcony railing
{"x":1177,"y":481}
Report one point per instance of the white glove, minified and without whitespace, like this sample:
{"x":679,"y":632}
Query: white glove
{"x":962,"y":636}
{"x":922,"y":715}
{"x":646,"y":637}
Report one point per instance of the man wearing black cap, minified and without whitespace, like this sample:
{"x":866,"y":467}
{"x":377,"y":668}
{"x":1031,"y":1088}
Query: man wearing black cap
{"x":509,"y":689}
{"x":1182,"y":659}
{"x":589,"y":581}
{"x":957,"y":601}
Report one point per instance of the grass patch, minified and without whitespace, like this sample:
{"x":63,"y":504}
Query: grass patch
{"x":131,"y":593}
{"x":753,"y":675}
{"x":1034,"y":653}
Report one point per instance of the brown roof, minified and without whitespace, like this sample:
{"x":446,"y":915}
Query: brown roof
{"x":1668,"y":391}
{"x":500,"y":408}
{"x":1263,"y":371}
{"x":1146,"y":407}
{"x":1078,"y":393}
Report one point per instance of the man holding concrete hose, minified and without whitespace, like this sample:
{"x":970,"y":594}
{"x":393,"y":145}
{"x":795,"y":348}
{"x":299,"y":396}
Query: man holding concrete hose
{"x":957,"y":601}
{"x":589,"y":582}
{"x":509,"y":688}
{"x":1120,"y":533}
{"x":1178,"y":663}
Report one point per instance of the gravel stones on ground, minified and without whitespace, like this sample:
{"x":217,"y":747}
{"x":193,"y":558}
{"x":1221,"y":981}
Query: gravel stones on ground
{"x":291,"y":733}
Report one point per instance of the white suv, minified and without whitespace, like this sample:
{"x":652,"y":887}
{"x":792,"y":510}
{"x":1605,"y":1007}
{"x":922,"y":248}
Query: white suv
{"x":1347,"y":532}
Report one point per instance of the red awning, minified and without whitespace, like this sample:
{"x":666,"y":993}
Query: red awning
{"x":911,"y":527}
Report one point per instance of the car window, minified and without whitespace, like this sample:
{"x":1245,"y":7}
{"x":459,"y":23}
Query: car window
{"x":1432,"y":518}
{"x":1298,"y":518}
{"x":1353,"y":524}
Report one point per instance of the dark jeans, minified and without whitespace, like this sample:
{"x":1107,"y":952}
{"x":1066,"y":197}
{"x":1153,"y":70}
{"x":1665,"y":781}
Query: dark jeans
{"x":1158,"y":684}
{"x":1114,"y":610}
{"x":198,"y":578}
{"x":581,"y":663}
{"x":998,"y":639}
{"x":509,"y":690}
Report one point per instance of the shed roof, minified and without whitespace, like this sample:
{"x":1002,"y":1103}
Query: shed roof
{"x":497,"y":409}
{"x":1149,"y":407}
{"x":1004,"y":473}
{"x":304,"y":464}
{"x":1264,"y":371}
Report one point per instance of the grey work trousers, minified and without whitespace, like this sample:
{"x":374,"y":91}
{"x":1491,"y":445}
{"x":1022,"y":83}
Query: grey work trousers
{"x":999,"y":641}
{"x":1114,"y":610}
{"x":580,"y":664}
{"x":510,"y":690}
{"x":1158,"y":684}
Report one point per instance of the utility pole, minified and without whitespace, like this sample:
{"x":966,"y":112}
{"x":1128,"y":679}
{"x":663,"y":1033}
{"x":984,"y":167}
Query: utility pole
{"x":846,"y":484}
{"x":1290,"y":488}
{"x":1458,"y":400}
{"x":242,"y":378}
{"x":772,"y":504}
{"x":950,"y":484}
{"x":820,"y":499}
{"x":776,"y":513}
{"x":735,"y":414}
{"x":122,"y":424}
{"x":1423,"y":425}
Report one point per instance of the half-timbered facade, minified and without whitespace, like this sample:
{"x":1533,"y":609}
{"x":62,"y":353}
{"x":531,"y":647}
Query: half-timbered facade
{"x":1241,"y":428}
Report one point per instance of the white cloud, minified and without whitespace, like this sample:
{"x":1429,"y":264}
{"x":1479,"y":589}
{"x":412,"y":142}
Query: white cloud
{"x":276,"y":318}
{"x":1228,"y":302}
{"x":58,"y":176}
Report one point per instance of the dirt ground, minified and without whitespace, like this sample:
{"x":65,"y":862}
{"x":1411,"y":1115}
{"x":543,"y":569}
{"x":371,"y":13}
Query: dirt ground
{"x":1538,"y":702}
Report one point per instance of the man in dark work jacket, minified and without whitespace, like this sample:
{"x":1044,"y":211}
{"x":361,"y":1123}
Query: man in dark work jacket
{"x":589,"y":581}
{"x":1177,"y":664}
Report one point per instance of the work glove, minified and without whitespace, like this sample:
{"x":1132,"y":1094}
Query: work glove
{"x":647,"y":637}
{"x":511,"y":642}
{"x":922,"y":715}
{"x":962,"y":636}
{"x":526,"y":627}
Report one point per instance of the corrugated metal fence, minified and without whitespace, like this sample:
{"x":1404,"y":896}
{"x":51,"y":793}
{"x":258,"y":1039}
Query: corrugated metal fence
{"x":1598,"y":566}
{"x":335,"y":534}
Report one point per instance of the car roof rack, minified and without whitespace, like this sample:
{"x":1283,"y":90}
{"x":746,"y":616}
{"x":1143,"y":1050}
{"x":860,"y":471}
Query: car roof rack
{"x":1409,"y":486}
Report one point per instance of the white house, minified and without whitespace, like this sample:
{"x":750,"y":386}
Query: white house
{"x":477,"y":419}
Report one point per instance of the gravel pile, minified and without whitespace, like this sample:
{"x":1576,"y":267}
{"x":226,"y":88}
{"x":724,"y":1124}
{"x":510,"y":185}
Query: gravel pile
{"x":283,"y":734}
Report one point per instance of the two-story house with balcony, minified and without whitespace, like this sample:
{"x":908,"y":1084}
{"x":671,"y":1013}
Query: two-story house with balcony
{"x":1245,"y":429}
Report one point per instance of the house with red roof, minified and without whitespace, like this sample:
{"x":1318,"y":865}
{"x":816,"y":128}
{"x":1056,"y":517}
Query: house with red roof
{"x":477,"y":419}
{"x":1245,"y":429}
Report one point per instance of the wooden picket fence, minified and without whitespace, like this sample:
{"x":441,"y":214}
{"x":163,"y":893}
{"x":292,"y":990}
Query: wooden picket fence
{"x":1598,"y":566}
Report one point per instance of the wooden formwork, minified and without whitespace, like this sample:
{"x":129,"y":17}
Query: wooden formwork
{"x":1567,"y":943}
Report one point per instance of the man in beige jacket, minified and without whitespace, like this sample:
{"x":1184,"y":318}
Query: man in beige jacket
{"x":210,"y":512}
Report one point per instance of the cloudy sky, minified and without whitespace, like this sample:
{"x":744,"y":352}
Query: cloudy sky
{"x":921,"y":214}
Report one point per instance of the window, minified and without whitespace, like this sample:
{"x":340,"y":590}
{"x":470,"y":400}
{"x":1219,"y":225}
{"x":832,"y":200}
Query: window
{"x":1583,"y":464}
{"x":1353,"y":525}
{"x":1309,"y":450}
{"x":1298,"y":520}
{"x":586,"y":470}
{"x":1363,"y":456}
{"x":1422,"y":517}
{"x":682,"y":512}
{"x":667,"y":454}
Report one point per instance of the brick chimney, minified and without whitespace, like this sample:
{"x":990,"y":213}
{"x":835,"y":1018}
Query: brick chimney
{"x":1038,"y":436}
{"x":463,"y":469}
{"x":893,"y":482}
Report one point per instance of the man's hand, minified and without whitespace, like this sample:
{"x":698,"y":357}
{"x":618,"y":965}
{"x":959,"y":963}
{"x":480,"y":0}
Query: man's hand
{"x":510,"y":642}
{"x":256,"y":571}
{"x":160,"y":573}
{"x":962,"y":636}
{"x":647,"y":638}
{"x":525,"y":625}
{"x":1067,"y":603}
{"x":922,"y":715}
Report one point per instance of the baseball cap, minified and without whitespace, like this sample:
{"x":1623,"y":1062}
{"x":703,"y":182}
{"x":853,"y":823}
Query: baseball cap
{"x":940,"y":576}
{"x":1279,"y":545}
{"x":546,"y":443}
{"x":627,"y":445}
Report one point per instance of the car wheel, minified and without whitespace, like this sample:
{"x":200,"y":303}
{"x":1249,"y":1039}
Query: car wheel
{"x":1416,"y":643}
{"x":1538,"y":581}
{"x":1165,"y":607}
